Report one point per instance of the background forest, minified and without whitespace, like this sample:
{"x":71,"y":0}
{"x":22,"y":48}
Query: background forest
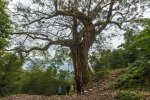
{"x":43,"y":75}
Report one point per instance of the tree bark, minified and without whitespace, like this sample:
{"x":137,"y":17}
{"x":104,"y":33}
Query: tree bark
{"x":82,"y":71}
{"x":79,"y":54}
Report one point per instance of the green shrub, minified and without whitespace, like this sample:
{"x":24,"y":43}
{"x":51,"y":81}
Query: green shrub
{"x":102,"y":73}
{"x":137,"y":76}
{"x":127,"y":95}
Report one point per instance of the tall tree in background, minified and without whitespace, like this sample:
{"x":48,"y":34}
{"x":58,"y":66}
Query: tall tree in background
{"x":76,"y":24}
{"x":4,"y":25}
{"x":131,"y":53}
{"x":140,"y":42}
{"x":10,"y":73}
{"x":4,"y":20}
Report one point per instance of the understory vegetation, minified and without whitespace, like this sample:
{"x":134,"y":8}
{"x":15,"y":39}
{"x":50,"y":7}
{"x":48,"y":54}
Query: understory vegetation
{"x":128,"y":95}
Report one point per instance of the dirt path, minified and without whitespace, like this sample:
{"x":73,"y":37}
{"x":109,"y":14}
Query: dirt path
{"x":102,"y":92}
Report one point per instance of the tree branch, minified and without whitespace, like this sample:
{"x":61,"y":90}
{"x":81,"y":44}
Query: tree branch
{"x":108,"y":17}
{"x":34,"y":36}
{"x":48,"y":17}
{"x":89,"y":7}
{"x":97,"y":6}
{"x":66,"y":43}
{"x":116,"y":23}
{"x":55,"y":4}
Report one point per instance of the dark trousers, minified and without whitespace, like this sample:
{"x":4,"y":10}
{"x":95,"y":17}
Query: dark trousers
{"x":67,"y":92}
{"x":78,"y":91}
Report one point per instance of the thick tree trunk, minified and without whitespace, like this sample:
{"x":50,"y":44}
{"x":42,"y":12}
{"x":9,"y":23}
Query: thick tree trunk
{"x":82,"y":72}
{"x":79,"y":54}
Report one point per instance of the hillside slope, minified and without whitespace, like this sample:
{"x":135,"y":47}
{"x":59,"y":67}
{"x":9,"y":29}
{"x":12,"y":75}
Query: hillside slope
{"x":102,"y":92}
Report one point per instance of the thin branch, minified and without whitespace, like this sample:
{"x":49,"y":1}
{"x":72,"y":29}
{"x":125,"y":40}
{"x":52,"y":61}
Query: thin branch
{"x":50,"y":16}
{"x":116,"y":14}
{"x":108,"y":17}
{"x":89,"y":7}
{"x":116,"y":23}
{"x":97,"y":5}
{"x":94,"y":13}
{"x":55,"y":4}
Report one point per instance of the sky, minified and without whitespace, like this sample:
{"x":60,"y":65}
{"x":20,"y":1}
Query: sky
{"x":117,"y":41}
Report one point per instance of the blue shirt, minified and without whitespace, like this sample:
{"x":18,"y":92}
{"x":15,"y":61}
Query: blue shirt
{"x":59,"y":90}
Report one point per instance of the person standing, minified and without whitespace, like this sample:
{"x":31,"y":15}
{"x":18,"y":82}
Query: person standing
{"x":67,"y":89}
{"x":59,"y":90}
{"x":96,"y":81}
{"x":83,"y":89}
{"x":79,"y":86}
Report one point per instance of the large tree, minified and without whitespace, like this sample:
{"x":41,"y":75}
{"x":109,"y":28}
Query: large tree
{"x":4,"y":25}
{"x":76,"y":24}
{"x":4,"y":20}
